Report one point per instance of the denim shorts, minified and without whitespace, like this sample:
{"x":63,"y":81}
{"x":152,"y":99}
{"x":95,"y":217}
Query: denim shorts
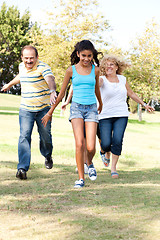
{"x":88,"y":113}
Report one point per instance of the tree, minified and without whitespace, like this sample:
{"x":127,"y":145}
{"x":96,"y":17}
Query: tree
{"x":14,"y":34}
{"x":144,"y":74}
{"x":70,"y":22}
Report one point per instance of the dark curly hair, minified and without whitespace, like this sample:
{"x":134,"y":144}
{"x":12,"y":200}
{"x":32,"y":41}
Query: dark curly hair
{"x":81,"y":46}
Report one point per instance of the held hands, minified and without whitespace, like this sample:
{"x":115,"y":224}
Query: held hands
{"x":46,"y":118}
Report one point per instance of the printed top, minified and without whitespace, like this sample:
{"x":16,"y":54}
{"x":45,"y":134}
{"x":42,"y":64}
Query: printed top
{"x":35,"y":94}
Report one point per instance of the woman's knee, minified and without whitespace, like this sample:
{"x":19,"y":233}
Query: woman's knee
{"x":91,"y":149}
{"x":106,"y":146}
{"x":80,"y":146}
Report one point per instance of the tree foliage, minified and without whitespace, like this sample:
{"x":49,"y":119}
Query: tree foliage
{"x":14,"y":34}
{"x":70,"y":22}
{"x":144,"y":74}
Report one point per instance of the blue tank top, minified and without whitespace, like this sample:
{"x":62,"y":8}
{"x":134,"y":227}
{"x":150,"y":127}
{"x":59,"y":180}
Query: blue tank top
{"x":84,"y":87}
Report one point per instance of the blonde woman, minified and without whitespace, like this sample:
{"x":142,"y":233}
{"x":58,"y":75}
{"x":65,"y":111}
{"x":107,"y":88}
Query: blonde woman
{"x":113,"y":118}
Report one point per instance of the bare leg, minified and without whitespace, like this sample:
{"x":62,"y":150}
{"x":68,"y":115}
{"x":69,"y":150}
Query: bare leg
{"x":78,"y":126}
{"x":91,"y":128}
{"x":108,"y":155}
{"x":105,"y":158}
{"x":85,"y":153}
{"x":85,"y":161}
{"x":113,"y":166}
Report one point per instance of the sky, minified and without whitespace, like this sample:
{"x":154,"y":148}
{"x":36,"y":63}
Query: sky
{"x":127,"y":18}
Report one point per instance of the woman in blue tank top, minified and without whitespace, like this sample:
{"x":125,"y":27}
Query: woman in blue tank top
{"x":83,"y":111}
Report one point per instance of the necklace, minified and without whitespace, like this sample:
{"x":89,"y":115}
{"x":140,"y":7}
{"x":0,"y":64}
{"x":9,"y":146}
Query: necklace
{"x":85,"y":69}
{"x":114,"y":81}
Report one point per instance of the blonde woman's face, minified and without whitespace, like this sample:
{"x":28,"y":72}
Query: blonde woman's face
{"x":110,"y":68}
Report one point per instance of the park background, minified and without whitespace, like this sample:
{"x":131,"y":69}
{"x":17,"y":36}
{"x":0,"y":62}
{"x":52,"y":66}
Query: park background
{"x":46,"y":206}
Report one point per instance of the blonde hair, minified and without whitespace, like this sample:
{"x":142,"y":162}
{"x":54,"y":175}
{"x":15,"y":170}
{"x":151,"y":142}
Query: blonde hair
{"x":121,"y":64}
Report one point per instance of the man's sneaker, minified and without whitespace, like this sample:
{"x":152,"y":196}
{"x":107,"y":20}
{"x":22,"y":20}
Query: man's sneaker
{"x":21,"y":174}
{"x":48,"y":162}
{"x":85,"y":168}
{"x":79,"y":183}
{"x":92,"y":172}
{"x":105,"y":161}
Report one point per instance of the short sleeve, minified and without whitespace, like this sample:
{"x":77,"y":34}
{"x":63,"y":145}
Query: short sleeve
{"x":46,"y":71}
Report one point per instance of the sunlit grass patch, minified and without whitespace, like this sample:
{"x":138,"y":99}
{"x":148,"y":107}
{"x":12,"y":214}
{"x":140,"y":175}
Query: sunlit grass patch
{"x":46,"y":205}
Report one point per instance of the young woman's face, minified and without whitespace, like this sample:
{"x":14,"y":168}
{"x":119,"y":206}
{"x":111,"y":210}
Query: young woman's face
{"x":86,"y":57}
{"x":110,"y":67}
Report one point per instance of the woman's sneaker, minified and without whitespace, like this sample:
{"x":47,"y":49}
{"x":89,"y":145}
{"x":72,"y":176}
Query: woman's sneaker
{"x":92,"y":172}
{"x":85,"y":169}
{"x":79,"y":183}
{"x":105,"y":161}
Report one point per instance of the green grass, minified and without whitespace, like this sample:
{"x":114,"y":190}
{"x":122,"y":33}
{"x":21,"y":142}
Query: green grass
{"x":47,"y":207}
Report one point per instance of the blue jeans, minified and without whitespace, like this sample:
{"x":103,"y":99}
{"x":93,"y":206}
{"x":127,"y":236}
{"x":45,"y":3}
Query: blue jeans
{"x":26,"y":121}
{"x":111,"y":134}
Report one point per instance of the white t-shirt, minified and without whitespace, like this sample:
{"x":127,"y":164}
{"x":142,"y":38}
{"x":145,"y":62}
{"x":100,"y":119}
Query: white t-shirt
{"x":114,"y":96}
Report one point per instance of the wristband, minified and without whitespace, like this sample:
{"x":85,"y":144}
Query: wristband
{"x":51,"y":91}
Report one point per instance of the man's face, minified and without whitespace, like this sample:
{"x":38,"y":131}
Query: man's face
{"x":29,"y":58}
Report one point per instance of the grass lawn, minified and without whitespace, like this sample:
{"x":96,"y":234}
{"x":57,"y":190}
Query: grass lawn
{"x":46,"y":206}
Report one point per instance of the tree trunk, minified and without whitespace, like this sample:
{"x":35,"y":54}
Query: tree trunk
{"x":139,"y":112}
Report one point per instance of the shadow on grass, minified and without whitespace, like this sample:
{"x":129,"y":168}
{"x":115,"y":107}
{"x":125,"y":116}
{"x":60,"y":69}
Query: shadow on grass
{"x":9,"y":113}
{"x":8,"y":164}
{"x":143,"y":122}
{"x":62,"y":178}
{"x":51,"y":192}
{"x":15,"y":111}
{"x":137,"y":121}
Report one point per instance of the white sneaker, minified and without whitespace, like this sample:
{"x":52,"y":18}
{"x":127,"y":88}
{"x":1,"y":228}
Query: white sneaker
{"x":85,"y":169}
{"x":92,"y":172}
{"x":79,"y":183}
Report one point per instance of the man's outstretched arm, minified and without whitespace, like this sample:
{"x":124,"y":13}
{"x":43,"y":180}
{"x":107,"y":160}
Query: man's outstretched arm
{"x":7,"y":86}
